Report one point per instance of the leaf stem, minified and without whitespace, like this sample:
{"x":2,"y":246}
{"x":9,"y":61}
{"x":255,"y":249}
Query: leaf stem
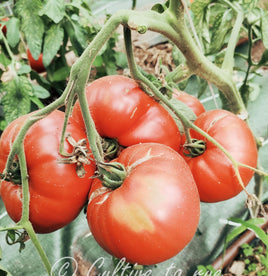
{"x":228,"y":62}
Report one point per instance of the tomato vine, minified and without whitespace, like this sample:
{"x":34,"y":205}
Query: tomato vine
{"x":171,"y":23}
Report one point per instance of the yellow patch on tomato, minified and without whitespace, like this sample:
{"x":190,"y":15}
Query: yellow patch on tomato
{"x":132,"y":216}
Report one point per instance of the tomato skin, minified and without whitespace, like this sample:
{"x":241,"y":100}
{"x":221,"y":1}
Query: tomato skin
{"x":36,"y":65}
{"x":154,"y":214}
{"x":213,"y":171}
{"x":190,"y":100}
{"x":57,"y":194}
{"x":4,"y":29}
{"x":121,"y":110}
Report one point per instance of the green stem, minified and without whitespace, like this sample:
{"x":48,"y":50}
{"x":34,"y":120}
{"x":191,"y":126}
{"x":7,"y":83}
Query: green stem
{"x":25,"y":185}
{"x":201,"y":66}
{"x":180,"y":73}
{"x":28,"y":227}
{"x":228,"y":62}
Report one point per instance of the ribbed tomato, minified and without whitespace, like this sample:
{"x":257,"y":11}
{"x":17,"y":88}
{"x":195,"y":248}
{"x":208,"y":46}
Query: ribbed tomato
{"x":57,"y":194}
{"x":213,"y":171}
{"x":154,"y":214}
{"x":121,"y":110}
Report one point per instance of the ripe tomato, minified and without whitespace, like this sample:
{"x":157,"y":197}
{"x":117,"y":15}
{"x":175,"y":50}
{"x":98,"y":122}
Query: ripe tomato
{"x":121,"y":110}
{"x":4,"y":29}
{"x":57,"y":194}
{"x":190,"y":100}
{"x":154,"y":214}
{"x":213,"y":171}
{"x":36,"y":65}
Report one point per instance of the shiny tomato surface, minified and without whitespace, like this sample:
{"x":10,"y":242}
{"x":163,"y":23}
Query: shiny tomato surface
{"x":121,"y":110}
{"x":213,"y":171}
{"x":154,"y":214}
{"x":57,"y":194}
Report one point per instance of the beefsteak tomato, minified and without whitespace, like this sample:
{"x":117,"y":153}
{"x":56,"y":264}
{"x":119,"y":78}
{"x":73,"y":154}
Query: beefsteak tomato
{"x":213,"y":171}
{"x":155,"y":212}
{"x":57,"y":194}
{"x":121,"y":110}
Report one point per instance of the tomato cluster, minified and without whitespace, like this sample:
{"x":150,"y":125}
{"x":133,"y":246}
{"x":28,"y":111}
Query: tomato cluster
{"x":154,"y":214}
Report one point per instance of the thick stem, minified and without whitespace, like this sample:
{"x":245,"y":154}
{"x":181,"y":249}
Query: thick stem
{"x":202,"y":67}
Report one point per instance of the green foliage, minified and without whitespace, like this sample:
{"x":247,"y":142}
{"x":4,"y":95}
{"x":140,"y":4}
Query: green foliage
{"x":53,"y":28}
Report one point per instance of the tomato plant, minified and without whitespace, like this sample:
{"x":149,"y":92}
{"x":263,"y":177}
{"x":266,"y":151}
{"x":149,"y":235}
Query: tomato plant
{"x":190,"y":100}
{"x":57,"y":194}
{"x":155,"y":212}
{"x":121,"y":110}
{"x":36,"y":64}
{"x":213,"y":171}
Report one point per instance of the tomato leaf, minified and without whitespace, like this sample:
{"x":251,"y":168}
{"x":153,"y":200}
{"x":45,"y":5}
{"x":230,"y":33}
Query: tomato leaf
{"x":264,"y":29}
{"x":249,"y":5}
{"x":16,"y":99}
{"x":184,"y":109}
{"x":13,"y":32}
{"x":32,"y":24}
{"x":52,"y":43}
{"x":222,"y":22}
{"x":55,"y":10}
{"x":40,"y":92}
{"x":77,"y":36}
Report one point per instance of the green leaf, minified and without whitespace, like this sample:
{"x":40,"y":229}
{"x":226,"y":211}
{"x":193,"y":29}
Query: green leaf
{"x":55,"y":10}
{"x":60,"y":74}
{"x":32,"y":24}
{"x":249,"y":5}
{"x":121,"y":59}
{"x":40,"y":92}
{"x":222,"y":23}
{"x":264,"y":29}
{"x":24,"y":69}
{"x":198,"y":8}
{"x":258,"y":231}
{"x":52,"y":43}
{"x":13,"y":31}
{"x":4,"y":60}
{"x":77,"y":36}
{"x":184,"y":109}
{"x":16,"y":100}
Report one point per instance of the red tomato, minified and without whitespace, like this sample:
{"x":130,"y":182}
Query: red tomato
{"x":36,"y":65}
{"x":57,"y":194}
{"x":213,"y":171}
{"x":4,"y":29}
{"x":190,"y":100}
{"x":122,"y":110}
{"x":154,"y":214}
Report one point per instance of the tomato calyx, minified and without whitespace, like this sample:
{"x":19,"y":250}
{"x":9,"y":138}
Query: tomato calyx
{"x":79,"y":155}
{"x":112,"y":175}
{"x":15,"y":236}
{"x":194,"y":148}
{"x":110,"y":148}
{"x":13,"y":174}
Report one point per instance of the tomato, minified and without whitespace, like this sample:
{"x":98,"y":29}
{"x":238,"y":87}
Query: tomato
{"x":190,"y":100}
{"x":121,"y":110}
{"x":57,"y":194}
{"x":213,"y":171}
{"x":155,"y":212}
{"x":36,"y":65}
{"x":4,"y":29}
